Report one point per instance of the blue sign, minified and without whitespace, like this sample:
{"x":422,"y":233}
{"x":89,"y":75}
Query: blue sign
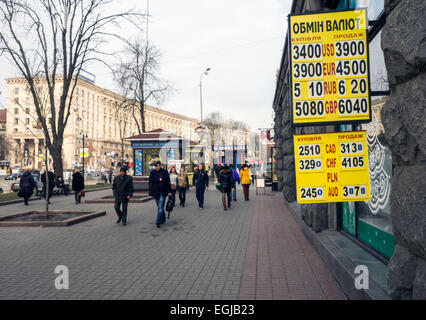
{"x":155,"y":144}
{"x":138,"y":163}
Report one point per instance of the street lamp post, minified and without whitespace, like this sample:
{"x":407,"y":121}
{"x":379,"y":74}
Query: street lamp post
{"x":206,"y":72}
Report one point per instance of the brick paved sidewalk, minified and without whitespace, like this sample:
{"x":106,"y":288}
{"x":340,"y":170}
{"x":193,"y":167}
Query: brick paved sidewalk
{"x":280,"y":262}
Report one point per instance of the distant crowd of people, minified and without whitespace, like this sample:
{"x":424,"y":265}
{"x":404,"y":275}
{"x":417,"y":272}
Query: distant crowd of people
{"x":163,"y":185}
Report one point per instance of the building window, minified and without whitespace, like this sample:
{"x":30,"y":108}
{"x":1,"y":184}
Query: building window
{"x":16,"y":111}
{"x":27,"y":120}
{"x":16,"y":100}
{"x":27,"y":110}
{"x":16,"y":121}
{"x":17,"y":90}
{"x":378,"y":72}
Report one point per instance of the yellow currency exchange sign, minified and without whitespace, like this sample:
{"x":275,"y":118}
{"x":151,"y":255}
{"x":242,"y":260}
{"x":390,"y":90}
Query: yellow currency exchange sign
{"x":329,"y":67}
{"x":331,"y":167}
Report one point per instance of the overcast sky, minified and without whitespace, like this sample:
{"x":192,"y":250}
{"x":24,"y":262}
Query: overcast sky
{"x":240,"y":40}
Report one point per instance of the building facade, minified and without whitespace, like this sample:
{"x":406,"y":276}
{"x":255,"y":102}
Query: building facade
{"x":392,"y":224}
{"x":95,"y":113}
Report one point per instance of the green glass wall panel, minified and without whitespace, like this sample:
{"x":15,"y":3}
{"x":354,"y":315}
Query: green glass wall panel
{"x":381,"y":241}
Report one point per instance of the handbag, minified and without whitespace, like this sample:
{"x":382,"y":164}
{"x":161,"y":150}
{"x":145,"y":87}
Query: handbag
{"x":219,"y":186}
{"x":20,"y":194}
{"x":82,"y":193}
{"x":169,"y":206}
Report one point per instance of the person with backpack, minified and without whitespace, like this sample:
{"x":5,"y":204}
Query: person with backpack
{"x":235,"y":179}
{"x":159,"y":189}
{"x":226,"y":182}
{"x":27,"y":185}
{"x":183,"y":184}
{"x":245,"y":180}
{"x":200,"y":182}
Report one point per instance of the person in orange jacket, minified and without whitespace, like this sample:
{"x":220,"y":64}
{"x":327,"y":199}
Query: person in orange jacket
{"x":245,"y":178}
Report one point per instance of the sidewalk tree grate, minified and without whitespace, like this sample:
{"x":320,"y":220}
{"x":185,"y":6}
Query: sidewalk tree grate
{"x":55,"y":218}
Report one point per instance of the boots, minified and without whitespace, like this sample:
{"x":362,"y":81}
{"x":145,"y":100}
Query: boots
{"x":224,"y":203}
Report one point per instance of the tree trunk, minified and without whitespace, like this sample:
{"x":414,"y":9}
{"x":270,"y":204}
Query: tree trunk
{"x":56,"y":153}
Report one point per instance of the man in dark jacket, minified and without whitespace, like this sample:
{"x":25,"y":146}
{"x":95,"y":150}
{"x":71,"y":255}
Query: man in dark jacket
{"x":110,"y":174}
{"x":77,"y":185}
{"x":51,"y":181}
{"x":122,"y":187}
{"x":217,"y":170}
{"x":200,"y":182}
{"x":159,"y":189}
{"x":27,"y":185}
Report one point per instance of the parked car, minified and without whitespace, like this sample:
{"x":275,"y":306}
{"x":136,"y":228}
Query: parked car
{"x":1,"y":190}
{"x":15,"y":185}
{"x":12,"y":176}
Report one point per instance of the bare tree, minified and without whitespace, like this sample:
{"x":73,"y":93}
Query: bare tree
{"x":4,"y":146}
{"x":50,"y":41}
{"x":137,"y":75}
{"x":123,"y":116}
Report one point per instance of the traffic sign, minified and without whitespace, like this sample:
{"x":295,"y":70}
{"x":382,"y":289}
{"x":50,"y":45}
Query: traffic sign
{"x":329,"y":67}
{"x":331,"y":167}
{"x":84,"y":152}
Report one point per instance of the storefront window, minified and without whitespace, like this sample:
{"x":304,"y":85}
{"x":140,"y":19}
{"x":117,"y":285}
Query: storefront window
{"x":378,"y":73}
{"x":370,"y":221}
{"x":374,"y":7}
{"x":374,"y":219}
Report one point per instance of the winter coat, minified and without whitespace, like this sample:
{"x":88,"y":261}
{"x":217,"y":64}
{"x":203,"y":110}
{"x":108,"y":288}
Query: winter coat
{"x":122,"y":187}
{"x":51,"y":177}
{"x":235,"y":176}
{"x":183,"y":182}
{"x":27,"y":183}
{"x":173,"y":180}
{"x":200,"y":179}
{"x":157,"y":187}
{"x":225,"y":179}
{"x":245,"y":176}
{"x":77,"y":181}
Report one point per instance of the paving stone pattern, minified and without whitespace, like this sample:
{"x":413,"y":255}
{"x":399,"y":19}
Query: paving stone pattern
{"x":197,"y":254}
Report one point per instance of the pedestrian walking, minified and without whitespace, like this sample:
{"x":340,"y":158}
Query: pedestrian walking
{"x":77,"y":185}
{"x":217,"y":170}
{"x":27,"y":185}
{"x":253,"y":173}
{"x":183,"y":185}
{"x":200,"y":182}
{"x":245,"y":180}
{"x":50,"y":181}
{"x":173,"y":183}
{"x":110,"y":173}
{"x":226,"y":182}
{"x":235,"y":179}
{"x":159,"y":189}
{"x":122,"y":188}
